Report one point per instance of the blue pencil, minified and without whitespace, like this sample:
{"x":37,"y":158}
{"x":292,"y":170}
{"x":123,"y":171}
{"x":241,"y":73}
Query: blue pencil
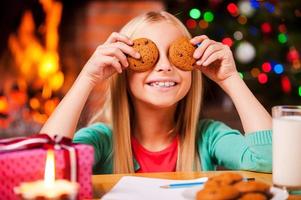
{"x":182,"y":185}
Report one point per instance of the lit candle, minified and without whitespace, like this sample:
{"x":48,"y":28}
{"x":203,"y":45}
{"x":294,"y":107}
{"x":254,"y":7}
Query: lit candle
{"x":49,"y":188}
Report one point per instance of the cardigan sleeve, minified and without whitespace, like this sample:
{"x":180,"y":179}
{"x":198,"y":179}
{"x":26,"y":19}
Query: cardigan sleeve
{"x":229,"y":148}
{"x":100,"y":137}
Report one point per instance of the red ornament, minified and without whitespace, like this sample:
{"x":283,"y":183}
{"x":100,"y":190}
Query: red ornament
{"x":266,"y":67}
{"x":227,"y":41}
{"x":262,"y":78}
{"x":286,"y":84}
{"x":282,"y":28}
{"x":191,"y":23}
{"x":232,"y":8}
{"x":266,"y":27}
{"x":292,"y":55}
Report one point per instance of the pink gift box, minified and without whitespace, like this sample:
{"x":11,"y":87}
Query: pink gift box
{"x":29,"y":165}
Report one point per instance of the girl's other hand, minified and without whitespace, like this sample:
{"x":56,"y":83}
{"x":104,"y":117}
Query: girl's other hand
{"x":109,"y":58}
{"x":214,"y":59}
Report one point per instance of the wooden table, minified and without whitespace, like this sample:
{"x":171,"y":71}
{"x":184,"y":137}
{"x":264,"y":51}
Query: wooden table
{"x":103,"y":183}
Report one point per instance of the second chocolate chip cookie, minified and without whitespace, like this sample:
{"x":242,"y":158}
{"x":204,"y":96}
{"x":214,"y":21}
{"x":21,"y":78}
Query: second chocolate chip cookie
{"x":148,"y":55}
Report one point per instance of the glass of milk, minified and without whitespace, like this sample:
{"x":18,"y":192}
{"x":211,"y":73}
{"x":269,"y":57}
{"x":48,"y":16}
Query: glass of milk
{"x":287,"y":147}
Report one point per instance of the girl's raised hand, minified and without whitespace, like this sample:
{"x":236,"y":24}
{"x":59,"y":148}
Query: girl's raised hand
{"x":109,"y":58}
{"x":214,"y":59}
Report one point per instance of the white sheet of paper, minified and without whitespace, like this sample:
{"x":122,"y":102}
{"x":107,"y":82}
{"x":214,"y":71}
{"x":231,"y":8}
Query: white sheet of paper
{"x":134,"y":188}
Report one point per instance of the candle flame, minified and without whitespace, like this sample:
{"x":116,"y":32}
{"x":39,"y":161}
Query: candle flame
{"x":49,"y":176}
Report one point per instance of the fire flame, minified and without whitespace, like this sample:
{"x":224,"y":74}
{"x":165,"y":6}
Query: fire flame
{"x":49,"y":176}
{"x":3,"y":104}
{"x":35,"y":61}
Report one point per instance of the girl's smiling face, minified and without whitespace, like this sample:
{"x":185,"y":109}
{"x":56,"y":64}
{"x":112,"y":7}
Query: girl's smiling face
{"x":164,"y":85}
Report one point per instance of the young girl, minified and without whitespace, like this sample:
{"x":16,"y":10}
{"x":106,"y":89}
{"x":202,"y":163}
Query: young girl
{"x":154,"y":115}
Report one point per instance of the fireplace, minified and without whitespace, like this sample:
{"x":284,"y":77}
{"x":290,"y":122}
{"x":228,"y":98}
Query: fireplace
{"x":45,"y":52}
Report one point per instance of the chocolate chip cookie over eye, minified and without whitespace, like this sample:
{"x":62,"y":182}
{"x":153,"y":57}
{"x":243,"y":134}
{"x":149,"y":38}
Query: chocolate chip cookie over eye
{"x":149,"y":54}
{"x":181,"y":54}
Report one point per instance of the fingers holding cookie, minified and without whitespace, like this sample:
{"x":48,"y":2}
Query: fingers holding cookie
{"x":115,"y":37}
{"x":198,"y":39}
{"x":214,"y":59}
{"x":116,"y":53}
{"x":207,"y":51}
{"x":208,"y":54}
{"x":202,"y":46}
{"x":128,"y":50}
{"x":118,"y":46}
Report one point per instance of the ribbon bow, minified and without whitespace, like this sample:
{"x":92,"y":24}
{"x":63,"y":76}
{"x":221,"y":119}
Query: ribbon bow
{"x":42,"y":141}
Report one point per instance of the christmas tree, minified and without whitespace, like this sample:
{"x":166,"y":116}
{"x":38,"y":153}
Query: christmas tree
{"x":264,"y":37}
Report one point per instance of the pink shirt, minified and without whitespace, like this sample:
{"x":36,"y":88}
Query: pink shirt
{"x":159,"y":161}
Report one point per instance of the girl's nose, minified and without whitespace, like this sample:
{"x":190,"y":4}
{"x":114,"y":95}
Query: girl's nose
{"x":163,"y":64}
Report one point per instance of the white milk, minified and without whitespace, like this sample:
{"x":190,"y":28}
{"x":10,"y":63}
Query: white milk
{"x":287,"y":151}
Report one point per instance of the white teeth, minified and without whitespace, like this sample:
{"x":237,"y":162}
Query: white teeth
{"x":162,"y":84}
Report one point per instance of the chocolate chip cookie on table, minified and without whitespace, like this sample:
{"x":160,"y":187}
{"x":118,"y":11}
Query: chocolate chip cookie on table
{"x":180,"y":54}
{"x":228,"y":186}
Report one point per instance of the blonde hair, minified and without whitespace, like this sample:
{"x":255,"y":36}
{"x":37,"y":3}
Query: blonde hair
{"x":121,"y":109}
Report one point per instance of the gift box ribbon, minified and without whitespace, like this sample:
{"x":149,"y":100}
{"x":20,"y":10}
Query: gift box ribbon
{"x":46,"y":142}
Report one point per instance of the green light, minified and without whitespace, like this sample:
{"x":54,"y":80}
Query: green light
{"x":208,"y":16}
{"x":195,"y":13}
{"x":241,"y":75}
{"x":282,"y":38}
{"x":300,"y":91}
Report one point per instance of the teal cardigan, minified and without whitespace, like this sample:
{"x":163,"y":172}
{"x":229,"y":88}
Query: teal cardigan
{"x":218,"y":145}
